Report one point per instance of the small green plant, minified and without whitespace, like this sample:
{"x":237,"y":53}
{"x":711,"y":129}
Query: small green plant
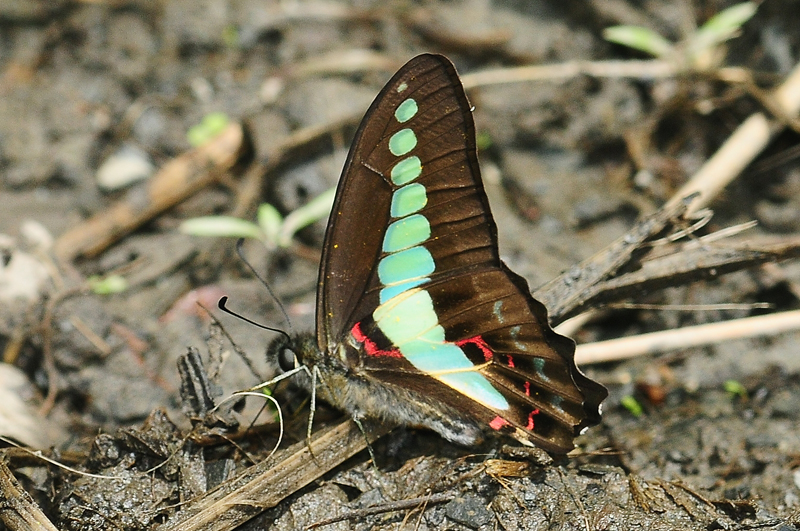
{"x":210,"y":126}
{"x":230,"y":36}
{"x":723,"y":26}
{"x":272,"y":229}
{"x":107,"y":285}
{"x":735,"y":388}
{"x":632,"y":405}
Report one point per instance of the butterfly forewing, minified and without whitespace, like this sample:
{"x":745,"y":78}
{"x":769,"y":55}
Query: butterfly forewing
{"x":445,"y":133}
{"x":411,"y":271}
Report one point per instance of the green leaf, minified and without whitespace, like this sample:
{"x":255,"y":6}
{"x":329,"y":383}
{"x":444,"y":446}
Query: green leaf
{"x":639,"y":38}
{"x":316,"y":209}
{"x":722,"y":26}
{"x":211,"y":125}
{"x":225,"y":226}
{"x":483,"y":141}
{"x":107,"y":285}
{"x":230,"y":36}
{"x":735,"y":388}
{"x":632,"y":405}
{"x":270,"y":221}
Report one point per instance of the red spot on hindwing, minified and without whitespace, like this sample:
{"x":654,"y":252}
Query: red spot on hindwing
{"x":370,"y":347}
{"x":510,"y":362}
{"x":497,"y":423}
{"x":532,"y":414}
{"x":527,"y":388}
{"x":480,"y":343}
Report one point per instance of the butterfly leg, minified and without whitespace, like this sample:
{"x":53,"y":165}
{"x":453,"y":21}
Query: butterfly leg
{"x":357,"y":420}
{"x":312,"y":408}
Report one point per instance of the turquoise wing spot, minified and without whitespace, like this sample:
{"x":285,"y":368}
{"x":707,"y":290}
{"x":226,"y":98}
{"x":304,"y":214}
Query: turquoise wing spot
{"x":402,"y":87}
{"x":406,"y":170}
{"x":405,"y":233}
{"x":432,"y":357}
{"x":538,"y":365}
{"x":555,"y":402}
{"x":402,"y":142}
{"x":406,"y":317}
{"x":409,"y":264}
{"x":514,"y":333}
{"x":406,"y":111}
{"x":498,"y":311}
{"x":476,"y":387}
{"x":389,"y":292}
{"x":408,"y":199}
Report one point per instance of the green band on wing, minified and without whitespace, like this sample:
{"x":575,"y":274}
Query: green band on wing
{"x":406,"y":171}
{"x":405,"y":265}
{"x":444,"y":361}
{"x":406,"y":232}
{"x":435,"y":357}
{"x":475,"y":386}
{"x":402,"y":142}
{"x":408,"y":199}
{"x":410,"y":322}
{"x":406,"y":111}
{"x":394,"y":290}
{"x":406,"y":316}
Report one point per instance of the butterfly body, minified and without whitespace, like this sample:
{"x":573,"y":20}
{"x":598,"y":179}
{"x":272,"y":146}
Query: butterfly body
{"x":344,"y":383}
{"x":418,"y":320}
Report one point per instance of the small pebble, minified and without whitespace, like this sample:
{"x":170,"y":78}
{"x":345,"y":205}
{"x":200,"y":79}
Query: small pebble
{"x":125,"y":167}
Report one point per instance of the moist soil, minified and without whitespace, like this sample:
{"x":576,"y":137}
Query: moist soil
{"x":96,"y":95}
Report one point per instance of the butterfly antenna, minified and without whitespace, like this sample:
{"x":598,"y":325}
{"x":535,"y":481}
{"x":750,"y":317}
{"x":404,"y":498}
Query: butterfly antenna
{"x":221,"y":305}
{"x":240,"y":252}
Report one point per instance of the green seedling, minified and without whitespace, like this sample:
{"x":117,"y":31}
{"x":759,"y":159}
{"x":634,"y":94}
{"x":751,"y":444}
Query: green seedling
{"x":632,"y":405}
{"x":722,"y":27}
{"x":211,"y":125}
{"x":272,"y":229}
{"x":735,"y":388}
{"x":639,"y":38}
{"x":230,"y":36}
{"x":107,"y":285}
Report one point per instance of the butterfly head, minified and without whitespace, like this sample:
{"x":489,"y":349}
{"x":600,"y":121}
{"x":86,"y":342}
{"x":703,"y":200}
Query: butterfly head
{"x":291,"y":352}
{"x":283,"y":352}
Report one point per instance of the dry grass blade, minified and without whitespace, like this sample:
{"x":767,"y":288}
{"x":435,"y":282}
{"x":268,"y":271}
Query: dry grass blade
{"x":264,"y":485}
{"x":690,"y":265}
{"x":20,"y":511}
{"x":749,"y":139}
{"x":692,"y":336}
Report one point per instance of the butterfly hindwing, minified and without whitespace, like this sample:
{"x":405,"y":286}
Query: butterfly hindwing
{"x":412,"y":279}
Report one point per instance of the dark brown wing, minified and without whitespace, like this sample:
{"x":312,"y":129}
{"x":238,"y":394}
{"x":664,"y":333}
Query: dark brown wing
{"x":348,"y":284}
{"x":483,"y":307}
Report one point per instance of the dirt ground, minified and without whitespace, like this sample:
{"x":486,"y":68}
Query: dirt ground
{"x":93,"y":91}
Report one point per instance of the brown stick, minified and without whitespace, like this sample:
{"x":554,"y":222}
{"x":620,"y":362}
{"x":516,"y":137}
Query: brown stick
{"x":17,"y":509}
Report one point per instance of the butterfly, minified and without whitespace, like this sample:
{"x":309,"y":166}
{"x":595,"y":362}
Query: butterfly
{"x":418,"y":320}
